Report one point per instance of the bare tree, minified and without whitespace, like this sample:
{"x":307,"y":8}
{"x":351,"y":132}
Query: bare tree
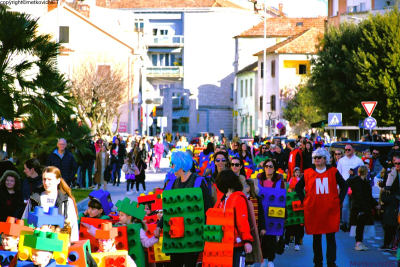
{"x":100,"y":90}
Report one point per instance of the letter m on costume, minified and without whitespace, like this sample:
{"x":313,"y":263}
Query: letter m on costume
{"x":322,"y":187}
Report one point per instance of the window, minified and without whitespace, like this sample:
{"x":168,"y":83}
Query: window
{"x":262,"y":70}
{"x":251,"y":87}
{"x":232,"y":91}
{"x":241,"y":88}
{"x":163,"y":32}
{"x":261,"y":103}
{"x":155,"y":31}
{"x":302,"y":69}
{"x":64,"y":34}
{"x":251,"y":126}
{"x":299,"y":24}
{"x":162,"y":63}
{"x":352,"y":9}
{"x":362,"y":7}
{"x":154,"y":59}
{"x":273,"y":103}
{"x":245,"y":87}
{"x":335,"y":7}
{"x":273,"y":68}
{"x":139,"y":25}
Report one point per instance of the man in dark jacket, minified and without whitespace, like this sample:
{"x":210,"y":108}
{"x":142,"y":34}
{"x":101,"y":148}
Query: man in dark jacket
{"x":87,"y":164}
{"x":64,"y":160}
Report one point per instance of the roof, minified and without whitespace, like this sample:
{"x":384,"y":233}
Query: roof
{"x":251,"y":67}
{"x":284,"y":27}
{"x":137,"y":4}
{"x":302,"y":43}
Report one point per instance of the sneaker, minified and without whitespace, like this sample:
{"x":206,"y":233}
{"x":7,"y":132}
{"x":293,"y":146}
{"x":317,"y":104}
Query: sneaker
{"x":367,"y":248}
{"x":92,"y":187}
{"x":128,"y":193}
{"x":332,"y":265}
{"x":393,"y":248}
{"x":264,"y":264}
{"x":144,"y":192}
{"x":286,"y":246}
{"x":359,"y":247}
{"x":384,"y":248}
{"x":297,"y":248}
{"x":136,"y":191}
{"x":270,"y":264}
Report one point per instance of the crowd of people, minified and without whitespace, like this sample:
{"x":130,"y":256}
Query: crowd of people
{"x":334,"y":187}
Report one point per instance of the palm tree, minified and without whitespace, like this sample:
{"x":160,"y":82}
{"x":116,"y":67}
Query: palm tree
{"x":30,"y":83}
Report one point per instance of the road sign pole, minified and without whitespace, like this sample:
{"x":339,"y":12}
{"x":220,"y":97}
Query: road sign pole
{"x":334,"y":133}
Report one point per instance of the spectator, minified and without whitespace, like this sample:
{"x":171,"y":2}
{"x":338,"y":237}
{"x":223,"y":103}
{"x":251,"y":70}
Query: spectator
{"x":87,"y":164}
{"x":395,"y":150}
{"x":5,"y":163}
{"x":121,"y":154}
{"x":102,"y":161}
{"x":345,"y":166}
{"x":307,"y":156}
{"x":11,"y":201}
{"x":236,"y":139}
{"x":168,"y":137}
{"x":257,"y":137}
{"x":64,"y":161}
{"x":158,"y":151}
{"x":344,"y":138}
{"x":33,"y":181}
{"x":327,"y":139}
{"x":177,"y":138}
{"x":55,"y":193}
{"x":338,"y":156}
{"x":376,"y":165}
{"x":322,"y":205}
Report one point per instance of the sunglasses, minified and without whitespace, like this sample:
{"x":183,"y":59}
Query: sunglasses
{"x":319,"y":157}
{"x":397,"y":163}
{"x":264,"y":148}
{"x":159,"y":211}
{"x":218,"y":160}
{"x":269,"y":166}
{"x":235,"y":164}
{"x":375,"y":153}
{"x":347,"y":150}
{"x":338,"y":154}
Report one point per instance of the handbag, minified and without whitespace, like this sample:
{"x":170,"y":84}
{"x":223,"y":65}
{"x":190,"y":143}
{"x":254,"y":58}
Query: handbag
{"x":107,"y":173}
{"x":280,"y":246}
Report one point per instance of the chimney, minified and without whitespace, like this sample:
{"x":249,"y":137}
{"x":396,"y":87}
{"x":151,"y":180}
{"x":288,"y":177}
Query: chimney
{"x":84,"y":10}
{"x":281,"y":7}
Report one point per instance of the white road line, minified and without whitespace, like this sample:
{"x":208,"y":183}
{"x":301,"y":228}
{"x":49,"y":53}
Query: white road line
{"x":392,"y":258}
{"x":377,"y":237}
{"x":386,"y":253}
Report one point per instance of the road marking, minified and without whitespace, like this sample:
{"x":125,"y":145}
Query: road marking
{"x":375,"y":245}
{"x":371,"y":241}
{"x":377,"y":237}
{"x":392,"y":258}
{"x":386,"y":253}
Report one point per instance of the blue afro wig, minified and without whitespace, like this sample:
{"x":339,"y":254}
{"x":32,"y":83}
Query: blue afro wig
{"x":181,"y":160}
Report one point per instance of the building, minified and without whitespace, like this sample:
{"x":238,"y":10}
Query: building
{"x":190,"y":62}
{"x":356,"y":10}
{"x":287,"y":64}
{"x":248,"y":115}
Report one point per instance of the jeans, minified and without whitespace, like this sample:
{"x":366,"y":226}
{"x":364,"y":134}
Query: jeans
{"x":346,"y":210}
{"x":237,"y":256}
{"x":116,"y":172}
{"x":79,"y":178}
{"x":87,"y":165}
{"x":330,"y":249}
{"x":129,"y":182}
{"x":268,"y":247}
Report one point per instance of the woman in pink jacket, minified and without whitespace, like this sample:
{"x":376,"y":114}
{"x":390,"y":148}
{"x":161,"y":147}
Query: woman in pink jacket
{"x":158,"y":151}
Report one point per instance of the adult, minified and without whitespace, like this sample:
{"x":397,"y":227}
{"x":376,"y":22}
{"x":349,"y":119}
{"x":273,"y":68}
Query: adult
{"x":322,"y":205}
{"x":5,"y":164}
{"x":102,"y":161}
{"x":344,"y":138}
{"x":229,"y":184}
{"x":257,"y":137}
{"x":236,"y":139}
{"x":395,"y":151}
{"x":307,"y":156}
{"x":244,"y":153}
{"x":121,"y":154}
{"x":140,"y":162}
{"x":168,"y":137}
{"x":295,"y":159}
{"x":221,"y":160}
{"x":64,"y":161}
{"x":181,"y":163}
{"x":280,"y":158}
{"x":338,"y":156}
{"x":376,"y":163}
{"x":55,"y":193}
{"x":33,"y":181}
{"x":158,"y":152}
{"x":269,"y":178}
{"x":347,"y":166}
{"x":327,"y":139}
{"x":11,"y":201}
{"x":177,"y":138}
{"x":237,"y":167}
{"x":88,"y":164}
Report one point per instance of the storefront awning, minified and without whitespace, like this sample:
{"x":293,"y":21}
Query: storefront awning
{"x":177,"y":114}
{"x":175,"y":50}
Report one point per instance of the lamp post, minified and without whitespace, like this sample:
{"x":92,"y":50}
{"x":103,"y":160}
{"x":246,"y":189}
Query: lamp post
{"x":264,"y":68}
{"x":148,"y":102}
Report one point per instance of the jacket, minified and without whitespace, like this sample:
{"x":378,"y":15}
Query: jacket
{"x":30,"y":185}
{"x":238,"y":202}
{"x":121,"y":152}
{"x":295,"y":160}
{"x":391,"y":206}
{"x":280,"y":159}
{"x":98,"y":166}
{"x":90,"y":156}
{"x":159,"y":148}
{"x":10,"y":204}
{"x":66,"y":164}
{"x":65,"y":205}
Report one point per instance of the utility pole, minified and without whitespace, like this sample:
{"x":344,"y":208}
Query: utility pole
{"x":264,"y":70}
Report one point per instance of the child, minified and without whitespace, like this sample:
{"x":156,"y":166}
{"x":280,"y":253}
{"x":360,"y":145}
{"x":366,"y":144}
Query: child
{"x":129,"y":169}
{"x":362,"y":203}
{"x":257,"y":205}
{"x":11,"y":230}
{"x":367,"y":157}
{"x":293,"y":181}
{"x":95,"y":210}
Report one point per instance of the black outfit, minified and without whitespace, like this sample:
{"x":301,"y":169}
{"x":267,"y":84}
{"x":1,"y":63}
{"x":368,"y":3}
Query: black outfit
{"x":142,"y":166}
{"x":391,"y":210}
{"x":30,"y":185}
{"x":87,"y":164}
{"x":6,"y":165}
{"x":66,"y":164}
{"x":188,"y":259}
{"x":362,"y":204}
{"x":296,"y":230}
{"x":257,"y":139}
{"x":307,"y":160}
{"x":119,"y":162}
{"x":11,"y":205}
{"x":61,"y":202}
{"x":280,"y":159}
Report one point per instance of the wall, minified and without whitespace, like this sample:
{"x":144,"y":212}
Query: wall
{"x":209,"y":54}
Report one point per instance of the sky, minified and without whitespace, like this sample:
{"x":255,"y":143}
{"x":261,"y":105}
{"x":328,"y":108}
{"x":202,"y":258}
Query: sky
{"x":301,"y":8}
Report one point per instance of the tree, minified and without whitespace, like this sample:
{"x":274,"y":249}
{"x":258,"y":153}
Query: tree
{"x":99,"y":91}
{"x":30,"y":83}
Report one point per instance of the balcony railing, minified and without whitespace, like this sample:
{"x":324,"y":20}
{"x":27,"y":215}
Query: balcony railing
{"x":165,"y":40}
{"x":167,"y":71}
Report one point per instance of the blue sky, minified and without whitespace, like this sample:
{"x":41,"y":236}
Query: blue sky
{"x":301,"y":8}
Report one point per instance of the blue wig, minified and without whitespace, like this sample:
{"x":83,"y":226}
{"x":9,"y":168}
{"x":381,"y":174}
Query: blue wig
{"x":181,"y":160}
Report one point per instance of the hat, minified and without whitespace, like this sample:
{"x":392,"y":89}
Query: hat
{"x":396,"y":143}
{"x":296,"y":168}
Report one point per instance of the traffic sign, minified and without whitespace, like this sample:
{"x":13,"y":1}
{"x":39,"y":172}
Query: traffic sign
{"x":279,"y":125}
{"x":369,"y":106}
{"x":361,"y":124}
{"x":370,"y":123}
{"x":150,"y":121}
{"x":335,"y":119}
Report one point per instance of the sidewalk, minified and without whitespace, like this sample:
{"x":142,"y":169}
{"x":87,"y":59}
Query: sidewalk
{"x":153,"y":180}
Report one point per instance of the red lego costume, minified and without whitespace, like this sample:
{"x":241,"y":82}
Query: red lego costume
{"x":292,"y":161}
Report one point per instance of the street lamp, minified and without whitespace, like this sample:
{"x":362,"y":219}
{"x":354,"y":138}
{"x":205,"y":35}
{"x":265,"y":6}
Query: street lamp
{"x":148,"y":102}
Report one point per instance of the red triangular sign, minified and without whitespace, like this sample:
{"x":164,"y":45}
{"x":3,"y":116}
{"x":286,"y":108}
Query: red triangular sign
{"x":369,"y":106}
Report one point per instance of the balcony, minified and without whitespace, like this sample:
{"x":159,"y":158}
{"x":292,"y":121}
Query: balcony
{"x":167,"y":71}
{"x":165,"y":41}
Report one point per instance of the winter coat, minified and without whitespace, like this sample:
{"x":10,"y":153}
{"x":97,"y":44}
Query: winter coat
{"x":10,"y":204}
{"x":121,"y":152}
{"x":98,"y":166}
{"x":30,"y":185}
{"x":66,"y":164}
{"x":280,"y":159}
{"x":362,"y":200}
{"x":391,"y":206}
